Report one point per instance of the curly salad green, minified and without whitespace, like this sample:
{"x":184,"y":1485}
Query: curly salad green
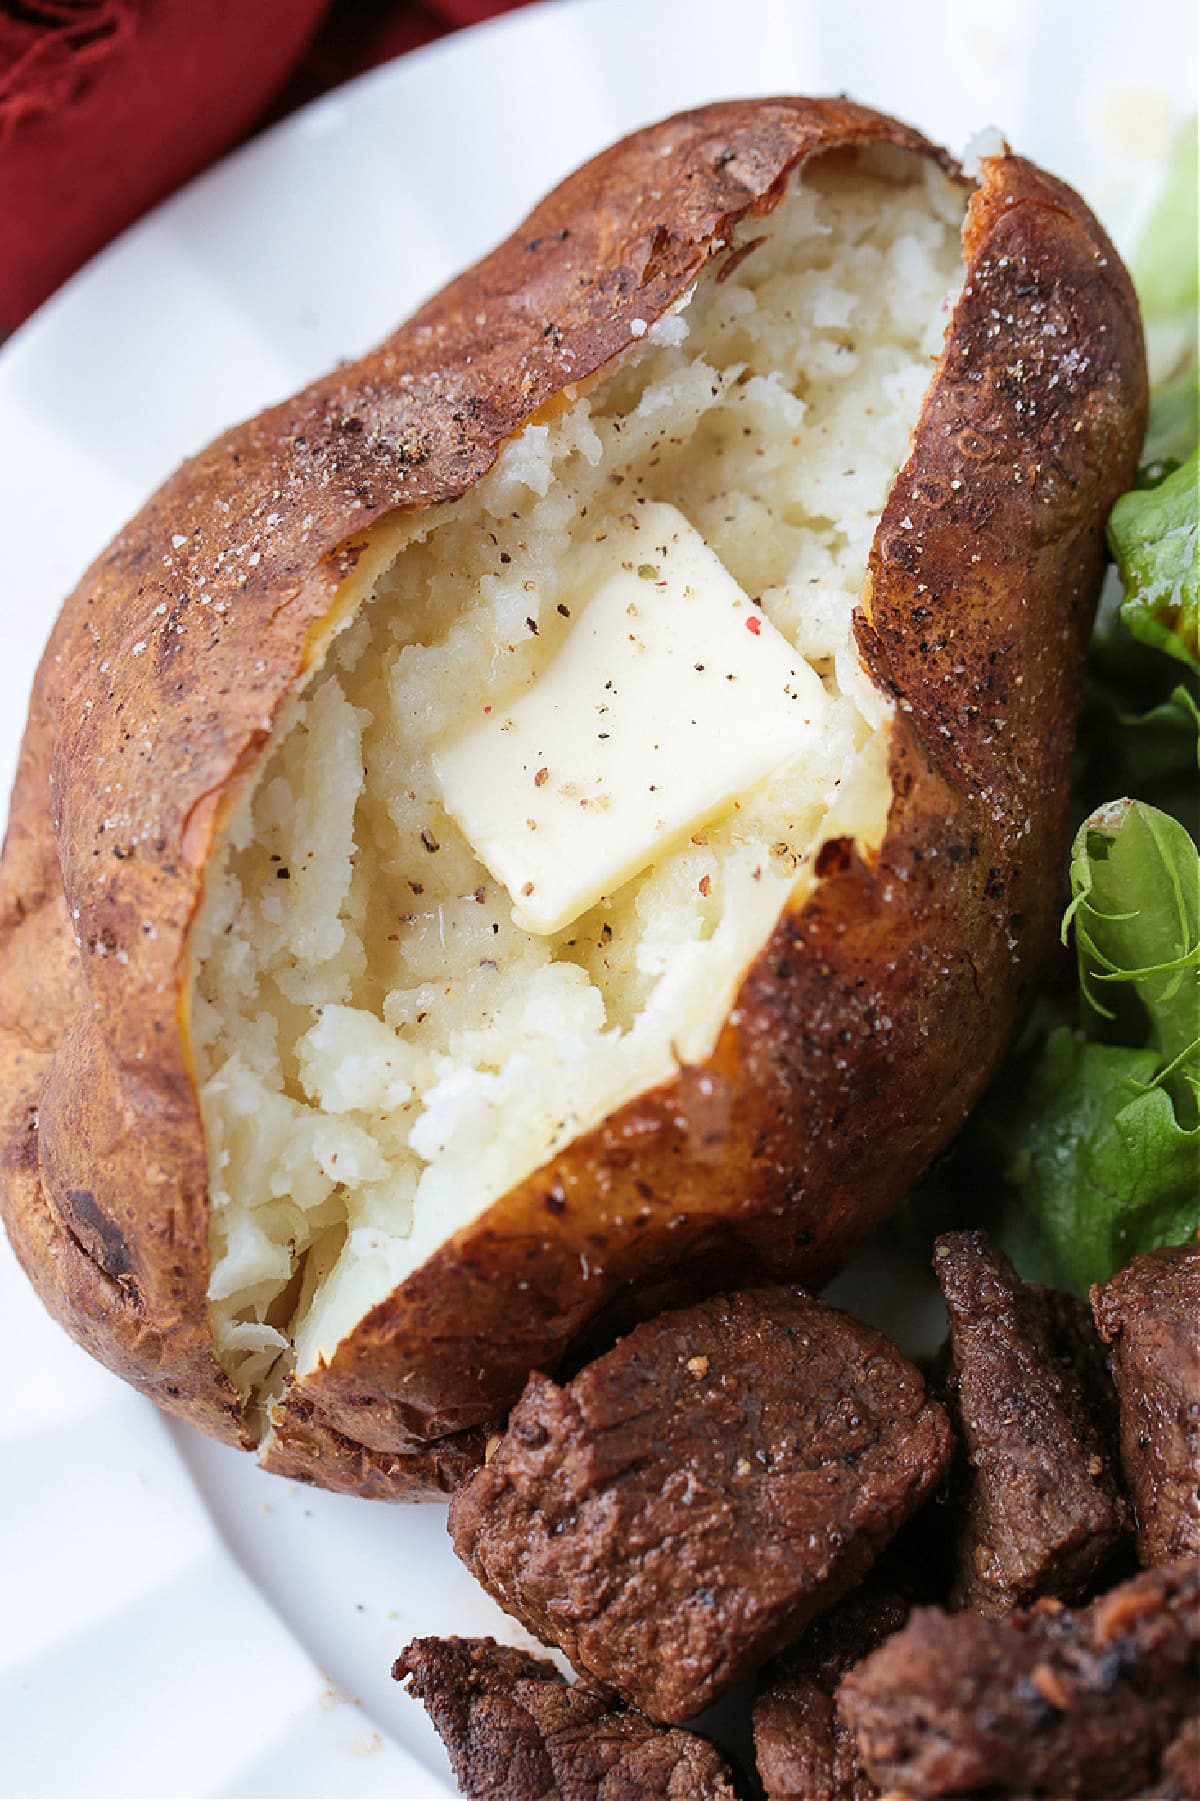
{"x":1094,"y":1123}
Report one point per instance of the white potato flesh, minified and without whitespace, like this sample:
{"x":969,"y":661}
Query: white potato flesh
{"x":381,"y":1049}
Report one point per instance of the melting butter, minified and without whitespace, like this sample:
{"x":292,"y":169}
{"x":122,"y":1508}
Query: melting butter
{"x":671,"y":696}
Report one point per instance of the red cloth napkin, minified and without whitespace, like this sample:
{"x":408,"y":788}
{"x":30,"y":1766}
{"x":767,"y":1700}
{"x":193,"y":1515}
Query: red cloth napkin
{"x":106,"y":106}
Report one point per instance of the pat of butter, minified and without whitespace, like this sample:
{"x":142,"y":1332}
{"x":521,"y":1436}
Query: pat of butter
{"x":671,"y":695}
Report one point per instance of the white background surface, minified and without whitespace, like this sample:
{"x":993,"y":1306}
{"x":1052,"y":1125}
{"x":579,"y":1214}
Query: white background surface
{"x":172,"y":1622}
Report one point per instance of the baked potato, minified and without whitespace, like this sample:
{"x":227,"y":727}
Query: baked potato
{"x":575,"y":794}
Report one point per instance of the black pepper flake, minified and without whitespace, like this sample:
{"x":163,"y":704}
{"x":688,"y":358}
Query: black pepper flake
{"x":531,"y":625}
{"x":551,"y":237}
{"x":564,"y":610}
{"x":283,"y":873}
{"x":504,"y":557}
{"x":428,"y":839}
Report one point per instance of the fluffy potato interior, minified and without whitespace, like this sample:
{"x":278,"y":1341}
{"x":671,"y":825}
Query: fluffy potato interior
{"x":381,"y":1051}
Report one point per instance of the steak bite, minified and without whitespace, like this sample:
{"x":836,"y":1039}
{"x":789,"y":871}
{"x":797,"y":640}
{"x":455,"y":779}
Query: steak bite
{"x":1051,"y":1701}
{"x":516,"y":1731}
{"x":804,"y":1750}
{"x":1179,"y":1778}
{"x":1150,"y":1315}
{"x":1030,"y":1395}
{"x":685,"y":1505}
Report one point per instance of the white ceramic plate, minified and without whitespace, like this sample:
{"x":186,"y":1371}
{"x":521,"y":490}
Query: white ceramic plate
{"x":172,"y":1622}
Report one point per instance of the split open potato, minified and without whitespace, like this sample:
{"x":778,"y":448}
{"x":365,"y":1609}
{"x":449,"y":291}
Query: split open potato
{"x":577,"y":793}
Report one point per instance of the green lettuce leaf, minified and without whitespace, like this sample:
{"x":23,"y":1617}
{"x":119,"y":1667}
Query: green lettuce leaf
{"x":1166,"y":270}
{"x":1102,"y":1125}
{"x":1139,"y":741}
{"x":1135,"y":907}
{"x":1172,"y":430}
{"x":1158,"y":749}
{"x":1165,"y":265}
{"x":1153,"y":534}
{"x":1106,"y":1168}
{"x":1152,"y":530}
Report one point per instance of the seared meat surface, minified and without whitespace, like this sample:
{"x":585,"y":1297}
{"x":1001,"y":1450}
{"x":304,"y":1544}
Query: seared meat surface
{"x":516,"y":1731}
{"x":804,"y":1750}
{"x":1051,"y":1701}
{"x":1150,"y":1315}
{"x":1033,"y":1404}
{"x":685,"y":1505}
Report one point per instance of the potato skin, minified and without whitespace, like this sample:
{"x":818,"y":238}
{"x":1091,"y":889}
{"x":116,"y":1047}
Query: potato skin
{"x":884,"y":1000}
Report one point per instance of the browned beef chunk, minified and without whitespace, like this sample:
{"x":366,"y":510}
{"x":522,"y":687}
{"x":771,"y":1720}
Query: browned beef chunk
{"x":684,"y":1506}
{"x":804,"y":1751}
{"x":1031,"y":1398}
{"x":1150,"y":1315}
{"x":1051,"y":1701}
{"x":1180,"y":1776}
{"x":516,"y":1731}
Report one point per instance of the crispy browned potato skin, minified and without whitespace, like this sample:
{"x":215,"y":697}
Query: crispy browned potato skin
{"x":864,"y":1032}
